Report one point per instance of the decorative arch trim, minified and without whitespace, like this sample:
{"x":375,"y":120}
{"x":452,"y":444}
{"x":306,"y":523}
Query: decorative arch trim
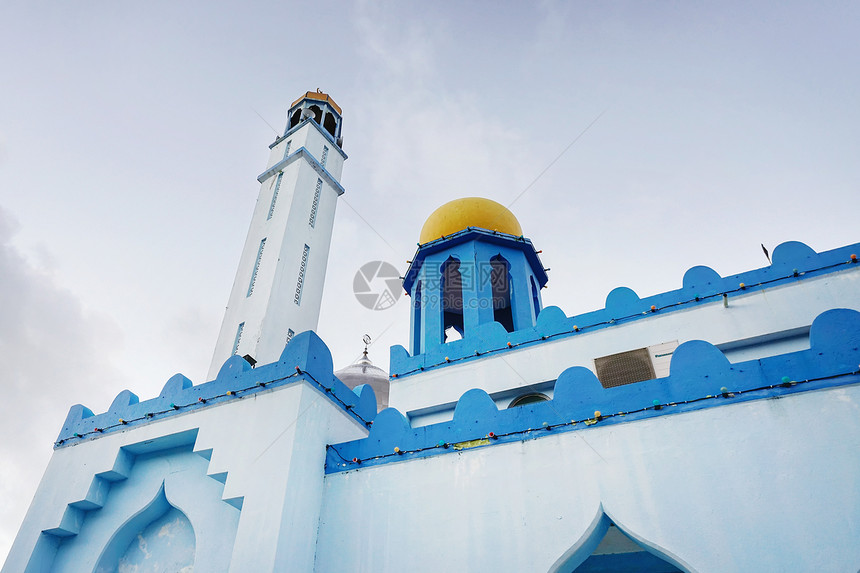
{"x":118,"y":544}
{"x":594,"y":534}
{"x":115,"y":485}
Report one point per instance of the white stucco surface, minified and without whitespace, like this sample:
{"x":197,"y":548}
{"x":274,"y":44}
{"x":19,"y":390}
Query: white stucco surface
{"x":767,"y":485}
{"x":271,"y":445}
{"x":271,"y":310}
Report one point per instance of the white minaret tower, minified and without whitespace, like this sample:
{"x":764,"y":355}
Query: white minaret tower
{"x":279,"y":283}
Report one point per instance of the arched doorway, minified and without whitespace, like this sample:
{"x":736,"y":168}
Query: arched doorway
{"x":610,"y":548}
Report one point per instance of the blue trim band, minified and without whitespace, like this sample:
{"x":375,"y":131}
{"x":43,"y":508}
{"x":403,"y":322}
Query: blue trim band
{"x":701,"y":377}
{"x":792,"y":262}
{"x":302,"y":152}
{"x":473,"y":234}
{"x":305,"y":358}
{"x":325,"y":134}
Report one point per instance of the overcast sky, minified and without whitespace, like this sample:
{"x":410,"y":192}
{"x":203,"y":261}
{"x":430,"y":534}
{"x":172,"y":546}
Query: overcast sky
{"x":131,"y":136}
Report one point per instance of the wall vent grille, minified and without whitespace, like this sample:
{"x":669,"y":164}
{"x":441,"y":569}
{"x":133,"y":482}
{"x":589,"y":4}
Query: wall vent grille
{"x":624,"y":368}
{"x":238,"y":337}
{"x":275,"y":195}
{"x":256,"y":267}
{"x":301,"y":280}
{"x":312,"y":219}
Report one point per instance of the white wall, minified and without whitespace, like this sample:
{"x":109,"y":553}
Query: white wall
{"x":270,"y":312}
{"x":767,"y":485}
{"x":271,"y":445}
{"x":749,"y":315}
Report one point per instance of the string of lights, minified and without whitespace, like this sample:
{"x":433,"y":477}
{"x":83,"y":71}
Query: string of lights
{"x":654,"y":309}
{"x":238,"y":393}
{"x":350,"y":408}
{"x":330,"y":391}
{"x":534,"y":432}
{"x":173,"y":407}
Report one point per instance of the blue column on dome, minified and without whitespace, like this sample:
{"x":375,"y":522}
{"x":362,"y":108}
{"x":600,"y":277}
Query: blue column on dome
{"x":483,"y":259}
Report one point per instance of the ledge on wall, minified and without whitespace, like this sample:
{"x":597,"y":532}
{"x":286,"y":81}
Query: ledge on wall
{"x":305,"y":358}
{"x":700,"y":377}
{"x":792,"y":261}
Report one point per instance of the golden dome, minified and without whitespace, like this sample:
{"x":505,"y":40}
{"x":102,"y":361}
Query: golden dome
{"x":459,"y":214}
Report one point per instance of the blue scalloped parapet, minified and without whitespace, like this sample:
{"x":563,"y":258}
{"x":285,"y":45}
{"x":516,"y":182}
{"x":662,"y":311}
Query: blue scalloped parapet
{"x":306,"y":357}
{"x":792,"y":261}
{"x":701,"y":377}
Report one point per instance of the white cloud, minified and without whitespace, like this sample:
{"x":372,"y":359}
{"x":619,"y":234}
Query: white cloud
{"x":414,"y":142}
{"x":54,"y":353}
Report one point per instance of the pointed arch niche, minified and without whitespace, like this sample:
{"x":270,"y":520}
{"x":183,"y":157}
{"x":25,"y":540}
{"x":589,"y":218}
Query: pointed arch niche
{"x":159,"y":538}
{"x":451,"y":295}
{"x":295,"y":118}
{"x":609,"y":548}
{"x":500,"y":277}
{"x":330,"y":123}
{"x":416,"y":320}
{"x":165,"y":513}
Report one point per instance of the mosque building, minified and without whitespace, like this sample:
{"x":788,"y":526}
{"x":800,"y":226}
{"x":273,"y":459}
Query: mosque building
{"x":712,"y":428}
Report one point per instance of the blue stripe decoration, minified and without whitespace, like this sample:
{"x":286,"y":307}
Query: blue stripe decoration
{"x":792,"y":262}
{"x":302,"y":152}
{"x":701,"y":377}
{"x":318,"y":127}
{"x":470,"y":234}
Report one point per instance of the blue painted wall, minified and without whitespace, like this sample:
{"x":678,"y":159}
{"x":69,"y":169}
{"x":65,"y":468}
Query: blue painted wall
{"x":792,"y":262}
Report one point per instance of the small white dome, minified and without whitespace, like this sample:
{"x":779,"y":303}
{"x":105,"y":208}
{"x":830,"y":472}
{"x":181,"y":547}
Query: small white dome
{"x":362,"y":371}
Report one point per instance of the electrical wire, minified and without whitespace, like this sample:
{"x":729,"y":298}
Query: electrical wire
{"x":598,"y":417}
{"x":654,"y":309}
